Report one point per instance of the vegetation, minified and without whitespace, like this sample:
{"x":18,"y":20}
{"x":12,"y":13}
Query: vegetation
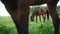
{"x":7,"y":25}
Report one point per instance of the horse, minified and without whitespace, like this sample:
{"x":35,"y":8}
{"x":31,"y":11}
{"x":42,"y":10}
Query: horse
{"x":40,"y":11}
{"x":19,"y":11}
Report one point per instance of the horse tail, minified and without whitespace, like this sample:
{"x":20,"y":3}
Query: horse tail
{"x":47,"y":14}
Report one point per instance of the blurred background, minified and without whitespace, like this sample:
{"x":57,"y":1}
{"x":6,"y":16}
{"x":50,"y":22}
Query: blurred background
{"x":7,"y":25}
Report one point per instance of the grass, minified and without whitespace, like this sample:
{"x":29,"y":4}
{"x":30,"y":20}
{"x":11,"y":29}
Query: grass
{"x":8,"y":27}
{"x":41,"y":27}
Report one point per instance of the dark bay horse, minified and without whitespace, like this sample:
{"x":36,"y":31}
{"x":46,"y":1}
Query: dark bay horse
{"x":40,"y":11}
{"x":19,"y":11}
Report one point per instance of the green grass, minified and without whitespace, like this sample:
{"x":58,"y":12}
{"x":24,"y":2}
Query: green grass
{"x":41,"y":27}
{"x":8,"y":27}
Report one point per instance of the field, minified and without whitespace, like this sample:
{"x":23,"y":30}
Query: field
{"x":7,"y":26}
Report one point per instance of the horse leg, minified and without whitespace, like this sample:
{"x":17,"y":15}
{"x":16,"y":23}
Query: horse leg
{"x":23,"y":26}
{"x":36,"y":18}
{"x":54,"y":15}
{"x":47,"y":15}
{"x":23,"y":19}
{"x":20,"y":18}
{"x":40,"y":18}
{"x":44,"y":16}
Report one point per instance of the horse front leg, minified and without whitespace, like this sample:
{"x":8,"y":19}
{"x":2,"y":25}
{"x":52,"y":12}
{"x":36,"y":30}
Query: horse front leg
{"x":54,"y":15}
{"x":36,"y":18}
{"x":22,"y":24}
{"x":20,"y":18}
{"x":40,"y":18}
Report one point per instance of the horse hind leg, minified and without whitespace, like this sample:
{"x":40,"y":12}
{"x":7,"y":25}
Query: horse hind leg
{"x":47,"y":15}
{"x":44,"y":17}
{"x":54,"y":15}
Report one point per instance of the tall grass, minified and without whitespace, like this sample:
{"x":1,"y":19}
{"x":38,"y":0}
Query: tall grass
{"x":7,"y":25}
{"x":41,"y":27}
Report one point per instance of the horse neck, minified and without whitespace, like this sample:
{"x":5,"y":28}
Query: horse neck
{"x":34,"y":13}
